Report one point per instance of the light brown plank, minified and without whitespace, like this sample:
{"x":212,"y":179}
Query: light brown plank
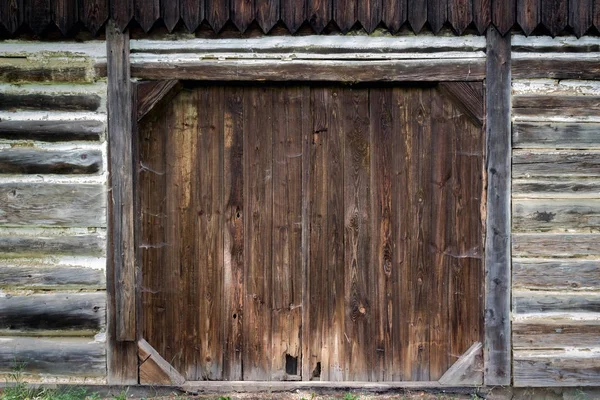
{"x":149,"y":94}
{"x":555,"y":334}
{"x":545,"y":368}
{"x":154,"y":369}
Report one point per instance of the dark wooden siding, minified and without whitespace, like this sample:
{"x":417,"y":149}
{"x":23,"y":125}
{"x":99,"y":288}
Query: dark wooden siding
{"x":551,"y":16}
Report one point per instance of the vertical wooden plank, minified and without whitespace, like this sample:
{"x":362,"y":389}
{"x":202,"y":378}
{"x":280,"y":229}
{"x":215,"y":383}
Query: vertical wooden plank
{"x":192,"y":13}
{"x":580,"y":16}
{"x":122,"y":359}
{"x":503,"y":15}
{"x":146,"y":12}
{"x":242,"y":13}
{"x":596,"y":15}
{"x":293,"y":14}
{"x":267,"y":14}
{"x":482,"y":15}
{"x":208,"y":200}
{"x":93,"y":14}
{"x":497,"y":245}
{"x":121,"y":12}
{"x":357,"y":244}
{"x":528,"y":15}
{"x":370,"y":14}
{"x":460,"y":14}
{"x":319,"y":14}
{"x":345,"y":14}
{"x":233,"y":232}
{"x":287,"y":232}
{"x":37,"y":15}
{"x":417,"y":14}
{"x":436,"y":14}
{"x":382,"y":236}
{"x":394,"y":14}
{"x":217,"y":14}
{"x":64,"y":14}
{"x":554,"y":15}
{"x":169,"y":12}
{"x":12,"y":13}
{"x":258,"y":182}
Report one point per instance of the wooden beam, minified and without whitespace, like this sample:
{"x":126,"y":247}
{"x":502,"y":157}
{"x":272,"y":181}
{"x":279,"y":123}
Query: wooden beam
{"x":149,"y":94}
{"x":497,"y":358}
{"x":467,"y":370}
{"x":121,"y":335}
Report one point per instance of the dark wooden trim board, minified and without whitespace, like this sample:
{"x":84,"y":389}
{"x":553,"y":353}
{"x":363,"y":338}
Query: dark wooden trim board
{"x":497,"y":345}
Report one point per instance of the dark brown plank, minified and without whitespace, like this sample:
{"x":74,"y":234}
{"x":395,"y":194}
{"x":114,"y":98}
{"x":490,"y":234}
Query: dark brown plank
{"x":42,"y":101}
{"x":360,"y":313}
{"x":482,"y":14}
{"x":468,"y":97}
{"x":192,"y":13}
{"x":121,"y":172}
{"x":503,"y":15}
{"x":242,"y":13}
{"x":345,"y":14}
{"x":121,"y":13}
{"x":580,"y":16}
{"x":554,"y":15}
{"x":37,"y":15}
{"x":93,"y":14}
{"x":554,"y":135}
{"x":51,"y":131}
{"x":293,"y":13}
{"x":233,"y":235}
{"x":146,"y":12}
{"x":64,"y":14}
{"x":258,"y":200}
{"x":267,"y":14}
{"x":394,"y":14}
{"x":287,"y":233}
{"x":497,"y":248}
{"x":460,"y":14}
{"x":149,"y":94}
{"x":217,"y":14}
{"x":528,"y":15}
{"x":319,"y":13}
{"x":369,"y":14}
{"x":38,"y":161}
{"x":417,"y":14}
{"x":12,"y":14}
{"x":573,"y":68}
{"x":596,"y":14}
{"x":170,"y":13}
{"x":437,"y":12}
{"x":541,"y":105}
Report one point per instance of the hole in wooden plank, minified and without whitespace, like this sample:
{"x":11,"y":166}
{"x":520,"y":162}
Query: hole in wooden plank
{"x":291,"y":365}
{"x":317,"y":371}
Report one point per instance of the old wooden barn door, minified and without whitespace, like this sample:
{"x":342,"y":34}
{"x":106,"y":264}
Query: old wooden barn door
{"x":313,"y":232}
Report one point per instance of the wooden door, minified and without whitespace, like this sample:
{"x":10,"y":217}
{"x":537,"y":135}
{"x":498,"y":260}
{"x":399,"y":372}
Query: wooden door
{"x":314,"y":232}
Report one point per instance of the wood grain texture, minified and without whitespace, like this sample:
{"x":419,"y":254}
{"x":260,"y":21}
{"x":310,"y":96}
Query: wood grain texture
{"x":538,"y":105}
{"x":319,"y":13}
{"x":369,"y":14}
{"x":192,"y":13}
{"x":554,"y":245}
{"x":12,"y":14}
{"x":146,"y":12}
{"x":460,"y":14}
{"x":556,"y":163}
{"x":503,"y":15}
{"x":596,"y":18}
{"x":64,"y":14}
{"x":555,"y":135}
{"x":554,"y":15}
{"x":528,"y":302}
{"x":467,"y":370}
{"x":170,"y":13}
{"x":38,"y":276}
{"x":498,"y":229}
{"x":482,"y":14}
{"x":59,"y":102}
{"x":154,"y":369}
{"x":149,"y":94}
{"x":437,"y":12}
{"x":555,"y":334}
{"x":267,"y":14}
{"x":417,"y":14}
{"x":548,"y":368}
{"x":121,"y":13}
{"x":558,"y":215}
{"x":93,"y":14}
{"x":571,"y":68}
{"x":56,"y":311}
{"x":51,"y":131}
{"x":468,"y":97}
{"x":395,"y":13}
{"x":37,"y":15}
{"x":242,"y":13}
{"x":528,"y":15}
{"x":345,"y":14}
{"x":552,"y":187}
{"x":15,"y":246}
{"x":38,"y":161}
{"x":581,"y":16}
{"x":217,"y":14}
{"x":60,"y":356}
{"x":558,"y":274}
{"x":293,"y":14}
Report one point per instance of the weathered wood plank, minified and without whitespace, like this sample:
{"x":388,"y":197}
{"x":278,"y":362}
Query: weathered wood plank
{"x":267,"y":14}
{"x":302,"y":70}
{"x":467,"y":370}
{"x":556,"y":135}
{"x":543,"y":105}
{"x":49,"y":277}
{"x":553,"y":187}
{"x":293,"y":14}
{"x":345,"y":14}
{"x":572,"y":215}
{"x":149,"y":94}
{"x":417,"y":14}
{"x":555,"y":334}
{"x":61,"y":356}
{"x":482,"y":15}
{"x":503,"y":15}
{"x":498,"y":227}
{"x":554,"y":15}
{"x":121,"y":178}
{"x":369,"y":14}
{"x":241,"y":13}
{"x":580,"y":16}
{"x":51,"y":131}
{"x":30,"y":246}
{"x":536,"y":163}
{"x":57,"y":311}
{"x":170,"y":13}
{"x":544,"y":274}
{"x":555,"y":245}
{"x":12,"y":14}
{"x":437,"y":12}
{"x":192,"y":13}
{"x":93,"y":14}
{"x":460,"y":14}
{"x":527,"y":302}
{"x":528,"y":15}
{"x":43,"y":101}
{"x":154,"y":369}
{"x":21,"y":69}
{"x":26,"y":160}
{"x":52,"y":204}
{"x":467,"y":96}
{"x":217,"y":14}
{"x":146,"y":12}
{"x":556,"y":68}
{"x":546,"y":368}
{"x":319,"y":14}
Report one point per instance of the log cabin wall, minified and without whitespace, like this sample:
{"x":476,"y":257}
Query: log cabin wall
{"x":53,"y":210}
{"x":556,"y":209}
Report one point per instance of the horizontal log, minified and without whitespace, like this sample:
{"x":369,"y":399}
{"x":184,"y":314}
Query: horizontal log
{"x":27,"y":160}
{"x":557,"y":163}
{"x":49,"y":101}
{"x":555,"y":245}
{"x":556,"y":334}
{"x":558,"y":215}
{"x":51,"y":204}
{"x":544,"y":368}
{"x":60,"y":356}
{"x":56,"y":311}
{"x":556,"y":188}
{"x":529,"y":302}
{"x":556,"y":135}
{"x":556,"y":274}
{"x":50,"y":277}
{"x":550,"y":106}
{"x":545,"y":43}
{"x":306,"y":70}
{"x":51,"y":131}
{"x":69,"y":69}
{"x":555,"y":68}
{"x":33,"y":247}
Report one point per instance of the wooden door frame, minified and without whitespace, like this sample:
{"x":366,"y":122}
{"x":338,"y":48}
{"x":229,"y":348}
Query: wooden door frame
{"x":126,"y":106}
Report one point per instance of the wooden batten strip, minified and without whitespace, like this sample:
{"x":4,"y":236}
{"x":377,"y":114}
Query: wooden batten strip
{"x":154,"y":369}
{"x":467,"y":370}
{"x":467,"y":97}
{"x":497,"y":346}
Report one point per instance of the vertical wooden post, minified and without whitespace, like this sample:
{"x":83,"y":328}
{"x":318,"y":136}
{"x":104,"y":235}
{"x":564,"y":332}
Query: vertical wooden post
{"x":497,"y":350}
{"x":121,"y":326}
